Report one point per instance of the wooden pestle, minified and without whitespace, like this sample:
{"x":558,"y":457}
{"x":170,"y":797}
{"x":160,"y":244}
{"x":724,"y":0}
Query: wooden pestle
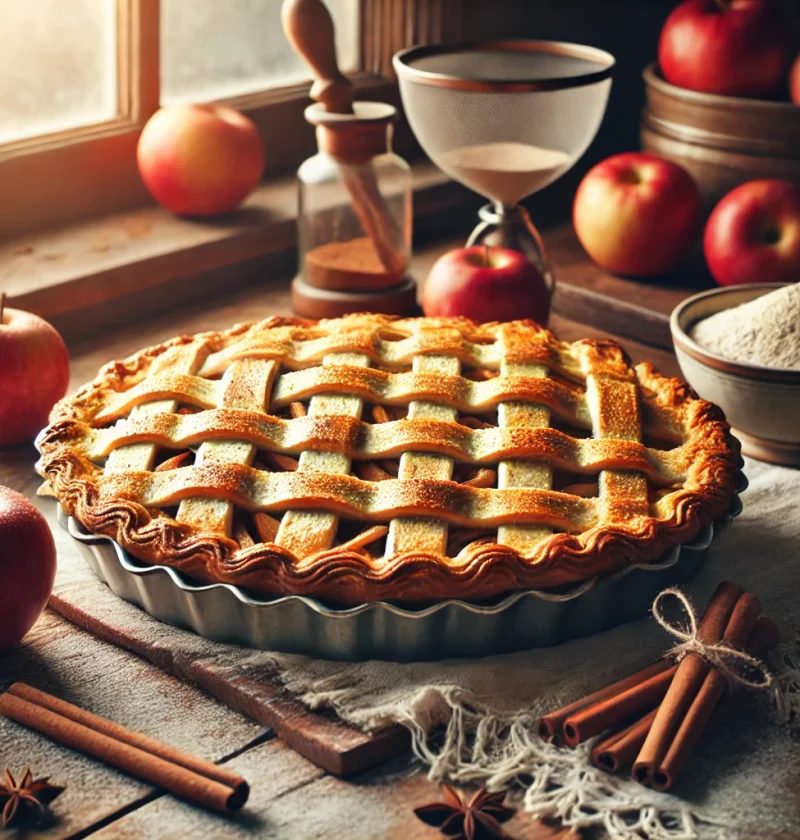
{"x":309,"y":27}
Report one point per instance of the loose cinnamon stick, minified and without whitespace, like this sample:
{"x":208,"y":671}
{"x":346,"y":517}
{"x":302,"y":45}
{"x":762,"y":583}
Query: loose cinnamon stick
{"x":705,"y":701}
{"x":645,"y":695}
{"x":621,"y":748}
{"x":685,"y":684}
{"x":550,"y":725}
{"x":764,"y":635}
{"x":186,"y":776}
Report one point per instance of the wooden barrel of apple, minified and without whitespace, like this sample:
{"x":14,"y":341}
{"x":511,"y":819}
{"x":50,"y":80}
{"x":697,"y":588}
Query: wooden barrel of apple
{"x":722,"y":141}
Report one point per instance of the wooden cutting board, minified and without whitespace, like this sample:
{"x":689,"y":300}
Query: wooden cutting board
{"x":232,"y":674}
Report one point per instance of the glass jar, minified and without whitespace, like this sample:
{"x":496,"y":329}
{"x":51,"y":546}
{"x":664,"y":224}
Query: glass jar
{"x":354,"y":223}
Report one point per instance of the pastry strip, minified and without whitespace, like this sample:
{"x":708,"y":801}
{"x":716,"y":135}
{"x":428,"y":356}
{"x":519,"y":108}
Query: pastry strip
{"x":523,"y":472}
{"x":141,"y":456}
{"x":245,"y":385}
{"x":422,"y":533}
{"x":306,"y":532}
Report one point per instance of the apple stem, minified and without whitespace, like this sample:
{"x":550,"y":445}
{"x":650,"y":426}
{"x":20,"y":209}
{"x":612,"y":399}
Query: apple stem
{"x":2,"y":305}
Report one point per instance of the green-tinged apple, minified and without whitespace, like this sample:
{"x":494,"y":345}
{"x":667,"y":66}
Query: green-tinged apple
{"x":198,"y":160}
{"x":34,"y":374}
{"x":753,"y":234}
{"x":27,"y":566}
{"x":637,"y":214}
{"x":726,"y":47}
{"x":486,"y":283}
{"x":794,"y":81}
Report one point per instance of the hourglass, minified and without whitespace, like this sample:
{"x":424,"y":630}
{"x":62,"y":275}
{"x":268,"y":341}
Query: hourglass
{"x":506,"y":119}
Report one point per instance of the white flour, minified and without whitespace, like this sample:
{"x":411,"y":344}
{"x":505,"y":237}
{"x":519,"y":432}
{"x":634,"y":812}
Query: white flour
{"x":764,"y":332}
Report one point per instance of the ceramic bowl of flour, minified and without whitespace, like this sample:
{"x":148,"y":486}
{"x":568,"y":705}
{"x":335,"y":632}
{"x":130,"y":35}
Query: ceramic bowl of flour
{"x":762,"y":403}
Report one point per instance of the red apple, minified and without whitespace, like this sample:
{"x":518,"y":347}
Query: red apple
{"x":486,"y":283}
{"x":27,"y":566}
{"x":198,"y":160}
{"x":727,"y":47}
{"x":34,"y":373}
{"x":753,"y":235}
{"x":637,"y":214}
{"x":794,"y":81}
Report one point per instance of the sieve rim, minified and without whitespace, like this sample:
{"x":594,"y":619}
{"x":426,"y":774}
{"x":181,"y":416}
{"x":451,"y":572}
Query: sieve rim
{"x":401,"y":62}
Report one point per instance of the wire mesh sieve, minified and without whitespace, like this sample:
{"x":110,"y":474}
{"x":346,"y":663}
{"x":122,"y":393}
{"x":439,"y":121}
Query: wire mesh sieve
{"x":505,"y":118}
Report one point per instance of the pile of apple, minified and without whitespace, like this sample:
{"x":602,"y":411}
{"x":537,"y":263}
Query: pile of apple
{"x":639,"y":215}
{"x":34,"y":372}
{"x":729,"y":48}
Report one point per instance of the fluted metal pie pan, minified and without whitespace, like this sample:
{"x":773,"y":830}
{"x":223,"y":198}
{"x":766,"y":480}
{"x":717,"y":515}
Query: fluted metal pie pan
{"x":298,"y":624}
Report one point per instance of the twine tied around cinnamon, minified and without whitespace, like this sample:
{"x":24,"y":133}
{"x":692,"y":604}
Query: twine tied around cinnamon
{"x":738,"y":668}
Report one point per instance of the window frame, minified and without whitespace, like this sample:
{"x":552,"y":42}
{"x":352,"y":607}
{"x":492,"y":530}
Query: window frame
{"x":65,"y":176}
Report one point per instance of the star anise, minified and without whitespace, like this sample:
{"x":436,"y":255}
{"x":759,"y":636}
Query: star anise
{"x":478,"y":818}
{"x":28,"y":793}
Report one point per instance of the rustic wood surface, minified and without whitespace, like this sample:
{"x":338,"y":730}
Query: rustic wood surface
{"x":107,"y":271}
{"x":101,"y":275}
{"x":291,"y":796}
{"x":636,"y":309}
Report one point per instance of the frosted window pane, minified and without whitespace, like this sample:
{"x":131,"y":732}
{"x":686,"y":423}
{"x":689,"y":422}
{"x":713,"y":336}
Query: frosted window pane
{"x":213,"y":50}
{"x":57,"y":65}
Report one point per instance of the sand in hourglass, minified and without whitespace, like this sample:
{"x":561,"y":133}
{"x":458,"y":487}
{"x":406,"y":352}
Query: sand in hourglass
{"x":505,"y":172}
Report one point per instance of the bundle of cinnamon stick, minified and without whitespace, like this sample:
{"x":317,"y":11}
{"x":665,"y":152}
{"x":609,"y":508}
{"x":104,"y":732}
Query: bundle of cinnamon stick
{"x":186,"y":776}
{"x":654,"y":718}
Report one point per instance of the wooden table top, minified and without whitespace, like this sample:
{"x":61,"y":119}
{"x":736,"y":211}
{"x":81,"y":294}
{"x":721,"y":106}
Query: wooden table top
{"x":291,"y":798}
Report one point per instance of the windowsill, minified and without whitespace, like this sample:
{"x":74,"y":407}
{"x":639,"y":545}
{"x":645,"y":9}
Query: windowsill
{"x":102,"y":272}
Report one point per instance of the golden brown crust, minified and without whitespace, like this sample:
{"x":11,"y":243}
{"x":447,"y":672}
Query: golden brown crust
{"x":651,"y":498}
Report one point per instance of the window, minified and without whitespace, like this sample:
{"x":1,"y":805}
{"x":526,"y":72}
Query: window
{"x":248,"y":51}
{"x":62,"y":73}
{"x":79,"y":79}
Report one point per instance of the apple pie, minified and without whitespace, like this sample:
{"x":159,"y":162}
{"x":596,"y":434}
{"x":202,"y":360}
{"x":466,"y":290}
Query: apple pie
{"x":368,"y":458}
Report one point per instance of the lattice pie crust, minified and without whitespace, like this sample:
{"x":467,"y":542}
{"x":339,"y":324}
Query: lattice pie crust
{"x":367,"y":458}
